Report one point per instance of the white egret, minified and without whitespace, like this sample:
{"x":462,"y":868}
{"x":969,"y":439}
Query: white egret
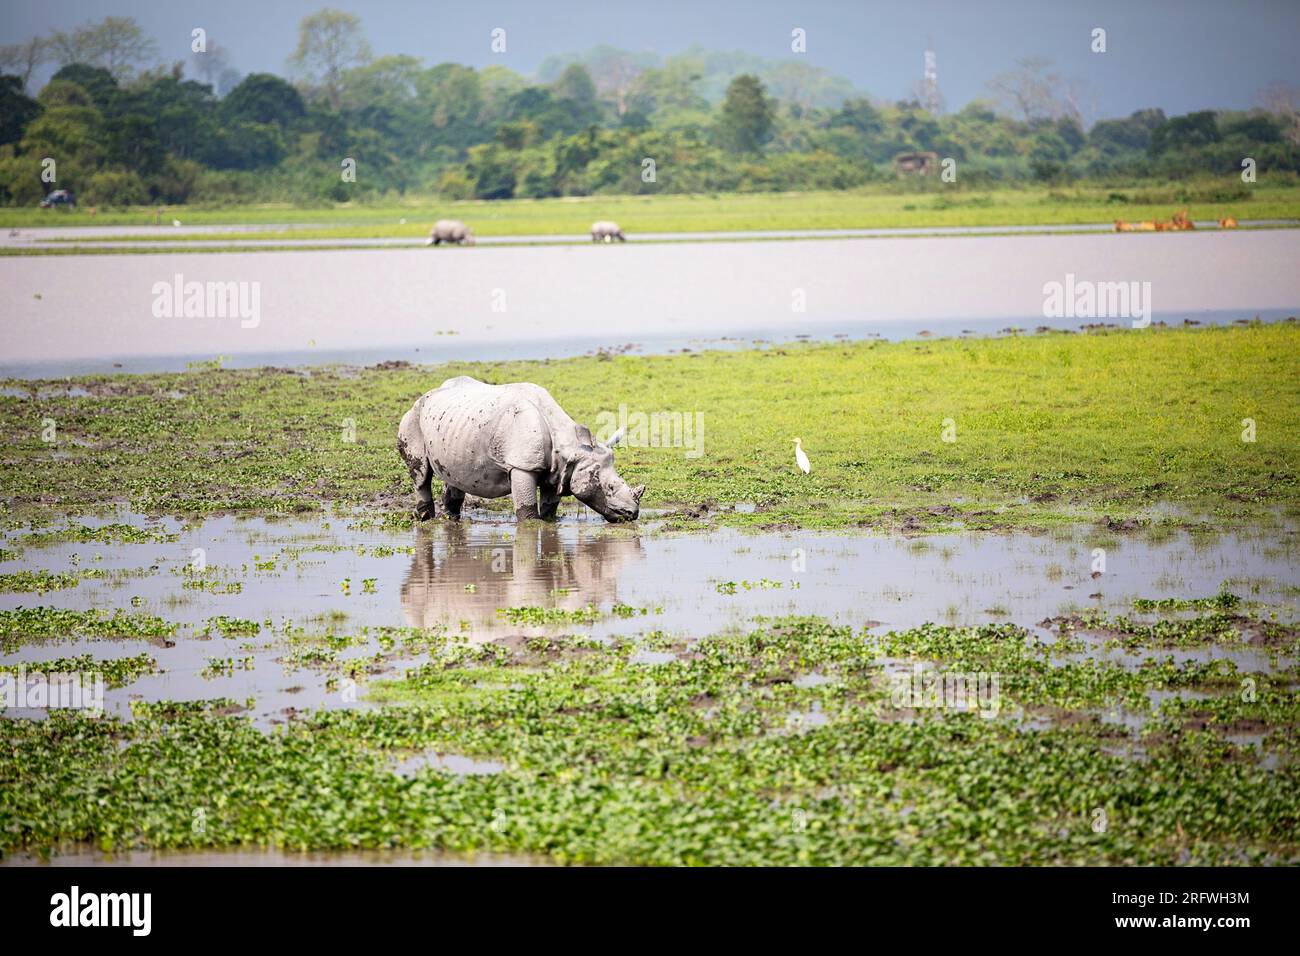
{"x":800,"y":458}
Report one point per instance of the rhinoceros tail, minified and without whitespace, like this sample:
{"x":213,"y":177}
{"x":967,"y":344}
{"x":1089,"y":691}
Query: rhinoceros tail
{"x":410,"y":446}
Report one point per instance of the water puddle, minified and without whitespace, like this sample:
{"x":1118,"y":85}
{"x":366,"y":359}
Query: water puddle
{"x":316,"y":603}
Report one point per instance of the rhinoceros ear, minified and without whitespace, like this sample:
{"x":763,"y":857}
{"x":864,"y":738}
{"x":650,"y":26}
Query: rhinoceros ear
{"x":617,"y":437}
{"x":584,"y":435}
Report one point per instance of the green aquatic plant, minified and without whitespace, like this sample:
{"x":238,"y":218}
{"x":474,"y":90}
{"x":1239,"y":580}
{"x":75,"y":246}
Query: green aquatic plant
{"x":702,"y":761}
{"x":116,"y":672}
{"x":20,"y":625}
{"x":548,"y":615}
{"x":37,"y":581}
{"x":232,"y":626}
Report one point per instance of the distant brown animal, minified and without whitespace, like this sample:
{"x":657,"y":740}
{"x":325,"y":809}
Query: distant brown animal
{"x":1122,"y":226}
{"x":1228,"y":223}
{"x":1181,"y":221}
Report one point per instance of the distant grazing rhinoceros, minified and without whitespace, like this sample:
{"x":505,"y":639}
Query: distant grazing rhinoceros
{"x":497,"y":440}
{"x":606,"y":231}
{"x":450,"y":230}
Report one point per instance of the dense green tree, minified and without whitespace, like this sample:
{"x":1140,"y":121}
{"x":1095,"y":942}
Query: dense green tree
{"x":576,"y":93}
{"x":1126,"y":135}
{"x":451,"y":102}
{"x":263,"y":98}
{"x":712,"y":122}
{"x":1185,"y":132}
{"x":115,"y":186}
{"x":96,"y":81}
{"x":747,"y":115}
{"x":1253,"y":127}
{"x":17,"y":109}
{"x":133,"y":144}
{"x":492,"y":173}
{"x":859,"y":116}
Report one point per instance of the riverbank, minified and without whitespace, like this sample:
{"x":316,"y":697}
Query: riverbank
{"x":885,"y":206}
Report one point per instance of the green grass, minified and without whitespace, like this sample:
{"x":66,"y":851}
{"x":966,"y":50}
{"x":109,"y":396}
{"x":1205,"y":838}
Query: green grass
{"x":882,"y":206}
{"x":1049,"y":429}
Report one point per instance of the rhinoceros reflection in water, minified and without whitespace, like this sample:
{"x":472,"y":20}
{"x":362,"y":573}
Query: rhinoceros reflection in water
{"x":536,"y":569}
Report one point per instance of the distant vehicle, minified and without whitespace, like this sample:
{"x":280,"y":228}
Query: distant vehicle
{"x":60,"y":197}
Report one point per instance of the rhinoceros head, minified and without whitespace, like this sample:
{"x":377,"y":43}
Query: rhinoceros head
{"x":597,"y":485}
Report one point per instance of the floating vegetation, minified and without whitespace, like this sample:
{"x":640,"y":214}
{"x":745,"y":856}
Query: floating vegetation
{"x":44,"y":623}
{"x":1224,"y":601}
{"x":549,"y":615}
{"x":730,"y":587}
{"x":37,"y":581}
{"x":739,"y":752}
{"x":232,"y":626}
{"x":116,"y":672}
{"x":116,"y":533}
{"x":226,"y":666}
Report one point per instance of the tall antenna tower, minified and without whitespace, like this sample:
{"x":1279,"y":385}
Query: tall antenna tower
{"x":933,"y":101}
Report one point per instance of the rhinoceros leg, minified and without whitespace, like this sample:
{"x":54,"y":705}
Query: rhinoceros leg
{"x":523,"y":491}
{"x":452,"y":499}
{"x":424,"y":501}
{"x":550,"y":504}
{"x":410,"y":446}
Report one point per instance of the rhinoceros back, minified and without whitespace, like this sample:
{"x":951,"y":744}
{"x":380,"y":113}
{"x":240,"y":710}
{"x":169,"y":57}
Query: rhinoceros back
{"x":475,"y":433}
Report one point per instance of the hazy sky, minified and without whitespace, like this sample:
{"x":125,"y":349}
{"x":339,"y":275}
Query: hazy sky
{"x":1176,"y":54}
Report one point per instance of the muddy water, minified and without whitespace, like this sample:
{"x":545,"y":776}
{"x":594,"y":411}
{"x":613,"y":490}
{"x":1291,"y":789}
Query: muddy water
{"x":461,"y":579}
{"x":73,"y":314}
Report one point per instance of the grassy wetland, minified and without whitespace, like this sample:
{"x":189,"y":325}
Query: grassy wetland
{"x":907,"y":656}
{"x":1012,"y":432}
{"x":893,"y":206}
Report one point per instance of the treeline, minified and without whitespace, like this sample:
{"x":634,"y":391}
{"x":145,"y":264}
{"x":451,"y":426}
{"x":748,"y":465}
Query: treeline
{"x":611,"y":122}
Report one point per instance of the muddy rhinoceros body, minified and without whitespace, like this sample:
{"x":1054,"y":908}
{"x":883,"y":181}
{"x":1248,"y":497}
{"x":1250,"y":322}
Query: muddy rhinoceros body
{"x":497,"y":440}
{"x":450,"y":230}
{"x":606,"y":231}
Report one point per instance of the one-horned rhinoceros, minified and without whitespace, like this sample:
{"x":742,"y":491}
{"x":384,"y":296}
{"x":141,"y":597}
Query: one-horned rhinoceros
{"x":497,"y":440}
{"x":606,"y":231}
{"x":450,"y":230}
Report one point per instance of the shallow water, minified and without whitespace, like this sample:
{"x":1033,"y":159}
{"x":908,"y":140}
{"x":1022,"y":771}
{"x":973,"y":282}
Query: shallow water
{"x":459,"y":578}
{"x":66,"y":315}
